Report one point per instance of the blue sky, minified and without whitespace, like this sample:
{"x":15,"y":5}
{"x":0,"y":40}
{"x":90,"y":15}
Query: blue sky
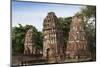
{"x":34,"y":13}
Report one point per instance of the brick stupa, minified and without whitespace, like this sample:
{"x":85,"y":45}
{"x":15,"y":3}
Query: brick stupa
{"x":77,"y":45}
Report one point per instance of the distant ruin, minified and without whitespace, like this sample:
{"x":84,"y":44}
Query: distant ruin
{"x":30,"y":43}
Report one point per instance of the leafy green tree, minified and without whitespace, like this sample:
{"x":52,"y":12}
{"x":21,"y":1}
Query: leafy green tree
{"x":18,"y":34}
{"x":40,"y":40}
{"x":89,"y":13}
{"x":65,"y":26}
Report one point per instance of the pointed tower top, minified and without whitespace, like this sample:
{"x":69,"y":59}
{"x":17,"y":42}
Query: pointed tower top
{"x":51,"y":13}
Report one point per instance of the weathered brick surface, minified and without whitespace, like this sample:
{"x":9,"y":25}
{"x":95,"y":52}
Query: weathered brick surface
{"x":29,"y":45}
{"x":77,"y":45}
{"x":53,"y":39}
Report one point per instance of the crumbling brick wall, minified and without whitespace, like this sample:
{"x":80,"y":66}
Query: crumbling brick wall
{"x":77,"y":46}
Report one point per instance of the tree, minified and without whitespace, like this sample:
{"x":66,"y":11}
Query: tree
{"x":18,"y":34}
{"x":89,"y":13}
{"x":65,"y":26}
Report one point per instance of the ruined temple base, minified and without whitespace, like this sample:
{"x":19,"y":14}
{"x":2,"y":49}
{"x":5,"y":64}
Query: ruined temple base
{"x":27,"y":60}
{"x":78,"y":60}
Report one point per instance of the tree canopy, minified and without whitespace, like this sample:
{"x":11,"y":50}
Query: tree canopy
{"x":89,"y":13}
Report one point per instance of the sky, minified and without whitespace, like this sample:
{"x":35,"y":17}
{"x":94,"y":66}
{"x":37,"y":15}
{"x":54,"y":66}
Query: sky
{"x":33,"y":13}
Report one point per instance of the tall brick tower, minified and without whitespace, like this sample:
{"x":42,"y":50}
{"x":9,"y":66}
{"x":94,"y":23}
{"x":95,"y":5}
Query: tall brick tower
{"x":77,"y":46}
{"x":53,"y":39}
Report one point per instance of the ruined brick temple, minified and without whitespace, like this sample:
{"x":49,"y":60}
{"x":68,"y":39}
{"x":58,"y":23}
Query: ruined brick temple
{"x":53,"y":45}
{"x":77,"y":45}
{"x":54,"y":50}
{"x":29,"y":45}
